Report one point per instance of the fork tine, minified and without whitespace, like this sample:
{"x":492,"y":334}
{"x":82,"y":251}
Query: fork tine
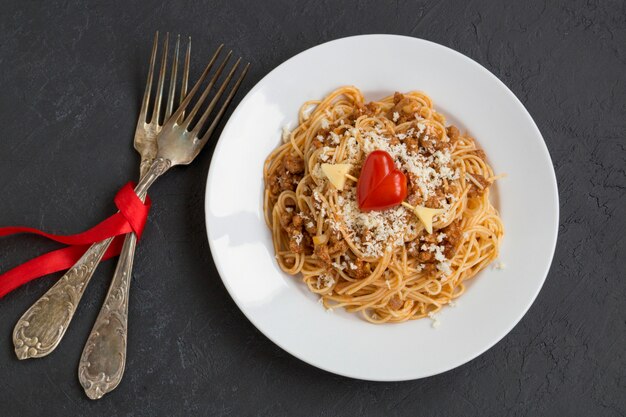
{"x":215,"y":99}
{"x":185,"y":82}
{"x":206,"y":91}
{"x":159,"y":95}
{"x":222,"y":109}
{"x":143,"y":113}
{"x":172,"y":89}
{"x":194,"y":89}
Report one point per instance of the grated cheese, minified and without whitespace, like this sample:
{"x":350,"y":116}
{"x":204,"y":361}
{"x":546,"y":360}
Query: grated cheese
{"x":386,"y":229}
{"x":339,"y":266}
{"x":286,"y":134}
{"x":325,"y":281}
{"x":444,"y":267}
{"x":428,"y":171}
{"x":435,"y":320}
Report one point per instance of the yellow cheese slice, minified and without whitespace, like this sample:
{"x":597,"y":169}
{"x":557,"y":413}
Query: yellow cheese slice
{"x":336,"y":174}
{"x":426,"y":215}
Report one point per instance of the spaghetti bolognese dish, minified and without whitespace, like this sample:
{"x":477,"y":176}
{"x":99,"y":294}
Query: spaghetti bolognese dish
{"x":381,"y":207}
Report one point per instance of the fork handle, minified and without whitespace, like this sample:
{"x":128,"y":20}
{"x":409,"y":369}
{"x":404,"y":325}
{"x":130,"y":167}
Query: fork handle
{"x":103,"y":360}
{"x":40,"y":329}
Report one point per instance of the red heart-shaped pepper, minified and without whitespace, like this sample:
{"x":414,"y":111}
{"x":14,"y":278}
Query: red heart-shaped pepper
{"x":380,"y":185}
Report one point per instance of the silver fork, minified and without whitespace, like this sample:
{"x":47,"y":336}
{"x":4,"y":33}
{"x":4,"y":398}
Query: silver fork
{"x":41,"y":328}
{"x":103,"y":359}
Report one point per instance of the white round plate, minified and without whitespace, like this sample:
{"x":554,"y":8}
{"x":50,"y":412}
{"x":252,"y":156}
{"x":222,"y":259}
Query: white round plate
{"x":280,"y":305}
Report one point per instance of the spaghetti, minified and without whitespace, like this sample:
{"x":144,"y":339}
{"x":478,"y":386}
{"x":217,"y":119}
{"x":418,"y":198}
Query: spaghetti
{"x":383,"y":264}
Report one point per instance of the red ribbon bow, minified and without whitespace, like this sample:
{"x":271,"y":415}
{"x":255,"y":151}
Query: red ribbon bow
{"x":131,"y":217}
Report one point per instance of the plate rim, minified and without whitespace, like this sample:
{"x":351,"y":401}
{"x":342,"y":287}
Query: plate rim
{"x":552,"y":182}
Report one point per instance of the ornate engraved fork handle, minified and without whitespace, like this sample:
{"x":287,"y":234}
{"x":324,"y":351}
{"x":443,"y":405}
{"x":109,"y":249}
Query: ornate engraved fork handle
{"x":103,"y":360}
{"x":41,"y":328}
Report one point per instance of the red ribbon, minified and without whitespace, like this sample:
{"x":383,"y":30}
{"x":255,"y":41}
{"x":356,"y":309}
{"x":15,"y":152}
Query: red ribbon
{"x":131,"y":217}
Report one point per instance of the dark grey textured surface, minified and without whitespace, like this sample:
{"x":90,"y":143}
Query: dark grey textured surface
{"x":71,"y":74}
